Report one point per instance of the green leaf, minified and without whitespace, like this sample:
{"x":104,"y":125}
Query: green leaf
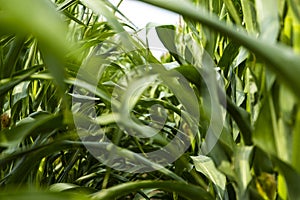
{"x":8,"y":84}
{"x":188,"y":191}
{"x":12,"y":57}
{"x":206,"y":166}
{"x":229,"y":54}
{"x":248,"y":13}
{"x":166,"y":34}
{"x":233,"y":11}
{"x":59,"y":187}
{"x":29,"y":126}
{"x":191,"y":74}
{"x":292,"y":178}
{"x":242,"y":118}
{"x":268,"y":20}
{"x":263,"y":135}
{"x":296,"y":143}
{"x":242,"y":168}
{"x":38,"y":195}
{"x":39,"y":18}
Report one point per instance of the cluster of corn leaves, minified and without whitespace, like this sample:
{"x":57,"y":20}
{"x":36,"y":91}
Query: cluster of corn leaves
{"x":255,"y":49}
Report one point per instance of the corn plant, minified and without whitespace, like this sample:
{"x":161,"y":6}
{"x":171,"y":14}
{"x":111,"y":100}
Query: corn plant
{"x":88,"y":112}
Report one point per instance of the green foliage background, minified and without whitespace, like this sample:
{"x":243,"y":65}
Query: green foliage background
{"x":255,"y":48}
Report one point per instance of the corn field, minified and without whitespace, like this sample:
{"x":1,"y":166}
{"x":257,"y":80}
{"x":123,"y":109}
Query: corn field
{"x":88,"y":111}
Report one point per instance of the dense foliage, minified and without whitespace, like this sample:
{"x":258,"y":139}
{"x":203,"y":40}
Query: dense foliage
{"x":84,"y":102}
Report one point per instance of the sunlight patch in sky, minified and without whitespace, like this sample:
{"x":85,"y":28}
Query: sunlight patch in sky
{"x":141,"y":14}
